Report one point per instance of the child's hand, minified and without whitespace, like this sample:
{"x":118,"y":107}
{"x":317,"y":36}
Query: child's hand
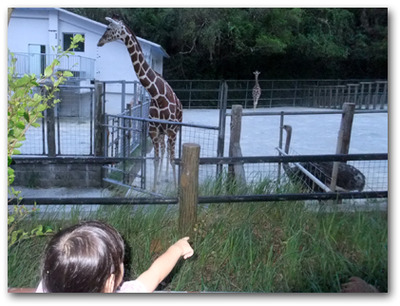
{"x":186,"y":249}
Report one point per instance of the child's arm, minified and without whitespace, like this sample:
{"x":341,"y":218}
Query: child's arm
{"x":164,"y":264}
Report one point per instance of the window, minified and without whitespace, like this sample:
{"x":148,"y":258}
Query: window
{"x":67,"y":38}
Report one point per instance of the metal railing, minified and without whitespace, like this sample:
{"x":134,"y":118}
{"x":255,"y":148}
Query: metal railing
{"x":35,"y":63}
{"x":380,"y":191}
{"x":366,"y":94}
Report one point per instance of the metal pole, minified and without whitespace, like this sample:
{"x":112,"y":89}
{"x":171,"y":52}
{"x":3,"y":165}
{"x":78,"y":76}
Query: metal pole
{"x":222,"y":121}
{"x":100,"y":141}
{"x":281,"y":123}
{"x":144,"y":152}
{"x":91,"y":133}
{"x":123,"y":90}
{"x":58,"y":128}
{"x":309,"y":174}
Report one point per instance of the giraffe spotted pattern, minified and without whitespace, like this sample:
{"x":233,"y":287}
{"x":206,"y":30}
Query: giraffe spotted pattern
{"x":164,"y":105}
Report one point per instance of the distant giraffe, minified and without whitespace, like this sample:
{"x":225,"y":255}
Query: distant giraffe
{"x":256,"y":90}
{"x":164,"y":105}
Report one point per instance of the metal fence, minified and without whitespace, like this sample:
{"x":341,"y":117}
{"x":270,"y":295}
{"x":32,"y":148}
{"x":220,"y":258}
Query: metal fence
{"x":122,"y":96}
{"x":225,"y":190}
{"x":127,"y":138}
{"x":367,"y":94}
{"x":263,"y":175}
{"x":69,"y":127}
{"x":373,"y":166}
{"x":74,"y":119}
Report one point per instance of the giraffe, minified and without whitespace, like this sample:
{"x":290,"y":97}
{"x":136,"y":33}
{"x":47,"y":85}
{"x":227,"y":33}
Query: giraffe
{"x":164,"y":104}
{"x":256,"y":89}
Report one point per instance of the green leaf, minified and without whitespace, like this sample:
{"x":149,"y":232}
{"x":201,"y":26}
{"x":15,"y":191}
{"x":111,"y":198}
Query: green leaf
{"x":48,"y":71}
{"x":41,"y":107}
{"x":20,"y":125}
{"x":22,"y":81}
{"x":11,"y":219}
{"x":26,"y":116}
{"x":14,"y":236}
{"x":68,"y":74}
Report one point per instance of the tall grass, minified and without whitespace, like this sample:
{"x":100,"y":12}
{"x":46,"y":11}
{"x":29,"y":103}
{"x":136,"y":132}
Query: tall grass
{"x":239,"y":247}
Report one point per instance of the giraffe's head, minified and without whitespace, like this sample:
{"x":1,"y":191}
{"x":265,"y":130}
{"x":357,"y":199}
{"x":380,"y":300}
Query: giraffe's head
{"x":256,"y":73}
{"x":115,"y":31}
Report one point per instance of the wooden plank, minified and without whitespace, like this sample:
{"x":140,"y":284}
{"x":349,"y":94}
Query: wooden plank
{"x":236,"y":171}
{"x":343,"y":142}
{"x":189,"y":185}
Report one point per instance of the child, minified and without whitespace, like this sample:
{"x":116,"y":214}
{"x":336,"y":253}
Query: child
{"x":88,"y":257}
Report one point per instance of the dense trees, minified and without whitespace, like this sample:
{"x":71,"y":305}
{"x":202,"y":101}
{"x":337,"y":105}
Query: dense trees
{"x":230,"y":43}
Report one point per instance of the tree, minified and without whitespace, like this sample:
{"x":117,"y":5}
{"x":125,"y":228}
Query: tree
{"x":230,"y":43}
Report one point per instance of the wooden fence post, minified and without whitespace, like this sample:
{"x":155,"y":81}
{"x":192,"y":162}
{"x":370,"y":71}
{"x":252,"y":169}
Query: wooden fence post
{"x":98,"y":120}
{"x":236,"y":171}
{"x":343,"y":142}
{"x":50,"y":128}
{"x":188,"y":189}
{"x":51,"y":132}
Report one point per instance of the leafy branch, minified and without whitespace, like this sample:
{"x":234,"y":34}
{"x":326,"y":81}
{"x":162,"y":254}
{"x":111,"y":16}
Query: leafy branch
{"x":24,"y":108}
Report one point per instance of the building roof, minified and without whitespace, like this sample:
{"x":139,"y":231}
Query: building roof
{"x":100,"y":27}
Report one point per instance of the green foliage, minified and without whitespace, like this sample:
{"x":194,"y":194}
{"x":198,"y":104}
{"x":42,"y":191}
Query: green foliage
{"x":230,"y":43}
{"x":24,"y":108}
{"x":17,"y":234}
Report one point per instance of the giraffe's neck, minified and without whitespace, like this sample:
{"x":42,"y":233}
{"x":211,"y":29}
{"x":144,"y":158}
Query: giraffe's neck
{"x":164,"y":103}
{"x":256,"y":76}
{"x":144,"y":72}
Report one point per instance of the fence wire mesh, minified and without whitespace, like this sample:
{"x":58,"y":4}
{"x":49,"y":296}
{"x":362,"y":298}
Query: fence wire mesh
{"x":271,"y":178}
{"x":127,"y":137}
{"x":72,"y":123}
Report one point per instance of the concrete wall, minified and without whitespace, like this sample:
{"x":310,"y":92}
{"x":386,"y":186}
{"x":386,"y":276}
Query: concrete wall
{"x":57,"y":175}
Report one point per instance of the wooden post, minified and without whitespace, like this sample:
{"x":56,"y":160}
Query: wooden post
{"x":51,"y":132}
{"x":343,"y":142}
{"x":189,"y":185}
{"x":236,"y":171}
{"x":50,"y":125}
{"x":98,"y":120}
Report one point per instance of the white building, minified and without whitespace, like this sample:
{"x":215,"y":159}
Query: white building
{"x":35,"y":33}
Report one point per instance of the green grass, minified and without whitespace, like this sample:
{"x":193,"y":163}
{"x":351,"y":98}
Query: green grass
{"x":241,"y":247}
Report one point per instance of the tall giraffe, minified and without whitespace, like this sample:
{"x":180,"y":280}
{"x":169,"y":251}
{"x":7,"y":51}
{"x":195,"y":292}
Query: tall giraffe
{"x":256,"y":89}
{"x":164,"y":105}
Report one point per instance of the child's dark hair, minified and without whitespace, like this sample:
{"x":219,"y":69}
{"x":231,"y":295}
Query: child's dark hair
{"x":81,"y":258}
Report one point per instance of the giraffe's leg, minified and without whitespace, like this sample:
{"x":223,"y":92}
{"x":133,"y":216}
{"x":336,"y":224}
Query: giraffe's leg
{"x":162,"y":149}
{"x":171,"y":153}
{"x":155,"y":139}
{"x":156,"y":165}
